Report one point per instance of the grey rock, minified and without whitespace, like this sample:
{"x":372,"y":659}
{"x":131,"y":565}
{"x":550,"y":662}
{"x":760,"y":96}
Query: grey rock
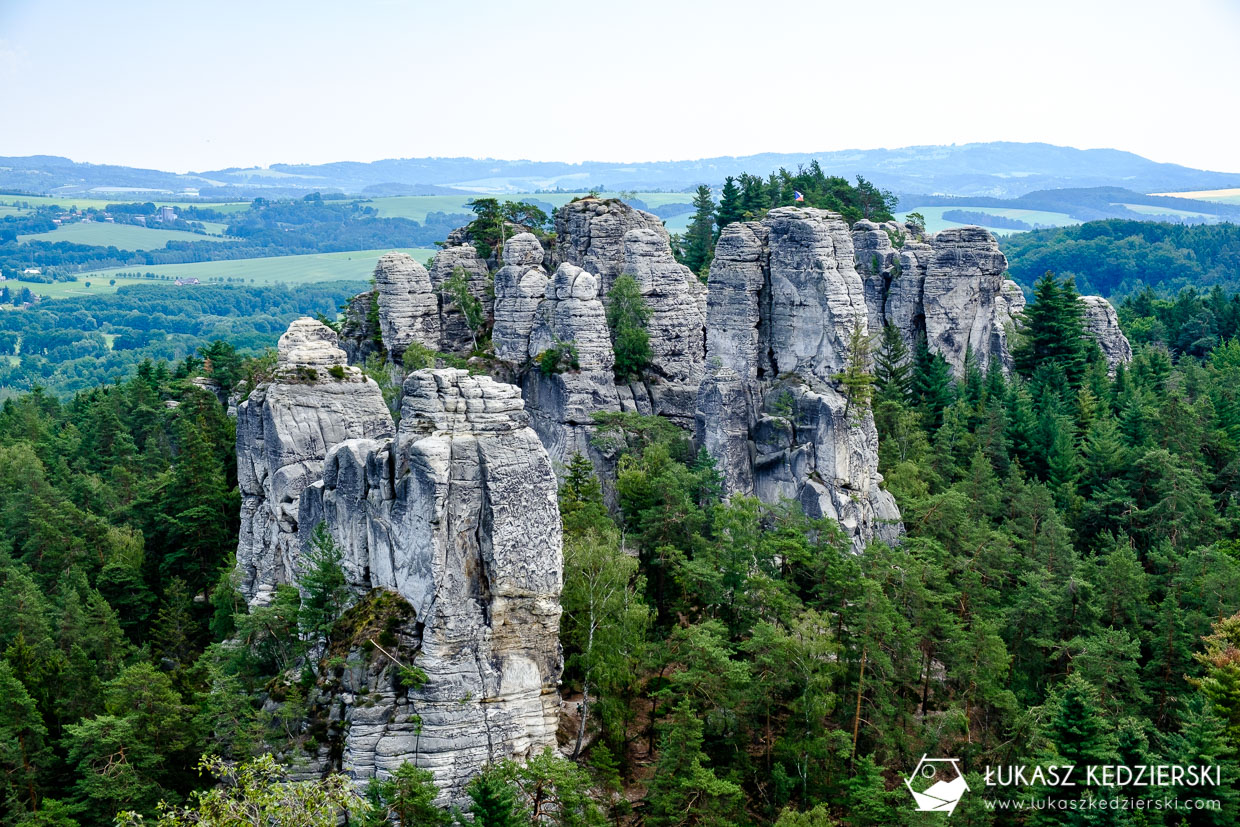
{"x":520,"y":286}
{"x":963,"y":298}
{"x":590,"y":233}
{"x":408,"y":309}
{"x":284,"y":431}
{"x":454,"y":332}
{"x":360,"y":334}
{"x":1102,"y":325}
{"x":784,"y":299}
{"x":458,"y":515}
{"x":677,"y":302}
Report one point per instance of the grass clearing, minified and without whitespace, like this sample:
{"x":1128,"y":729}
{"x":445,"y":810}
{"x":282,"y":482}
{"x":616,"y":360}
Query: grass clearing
{"x":121,"y":236}
{"x":1149,"y":209}
{"x":1226,"y":196}
{"x":935,"y":221}
{"x":84,"y":202}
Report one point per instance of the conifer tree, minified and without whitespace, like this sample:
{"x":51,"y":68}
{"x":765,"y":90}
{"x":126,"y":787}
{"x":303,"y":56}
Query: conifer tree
{"x":698,"y":246}
{"x":1053,"y":330}
{"x":731,"y":208}
{"x":932,"y":383}
{"x":627,"y":318}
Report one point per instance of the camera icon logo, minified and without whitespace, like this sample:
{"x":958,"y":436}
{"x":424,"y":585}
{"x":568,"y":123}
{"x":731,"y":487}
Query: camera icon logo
{"x":937,"y":784}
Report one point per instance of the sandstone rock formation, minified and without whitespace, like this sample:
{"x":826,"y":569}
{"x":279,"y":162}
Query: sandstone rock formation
{"x":360,"y":333}
{"x":284,"y":430}
{"x":590,"y":233}
{"x":454,"y":333}
{"x":1102,"y":325}
{"x":458,"y":516}
{"x":784,"y":299}
{"x":408,"y":309}
{"x":520,"y":286}
{"x":950,"y":286}
{"x":608,"y":239}
{"x":560,"y":404}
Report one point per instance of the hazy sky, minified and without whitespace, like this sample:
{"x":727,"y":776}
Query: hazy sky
{"x":183,"y":85}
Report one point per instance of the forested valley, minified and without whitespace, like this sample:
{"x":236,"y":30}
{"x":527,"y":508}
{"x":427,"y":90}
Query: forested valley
{"x":1067,"y":591}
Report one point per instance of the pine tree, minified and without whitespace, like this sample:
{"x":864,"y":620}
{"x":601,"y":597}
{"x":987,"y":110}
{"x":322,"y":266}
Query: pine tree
{"x":684,"y":790}
{"x":1053,"y":330}
{"x":893,"y":372}
{"x":627,"y":318}
{"x":324,"y":586}
{"x":856,"y":379}
{"x":698,"y":247}
{"x":932,"y":384}
{"x":494,"y":801}
{"x":731,"y":208}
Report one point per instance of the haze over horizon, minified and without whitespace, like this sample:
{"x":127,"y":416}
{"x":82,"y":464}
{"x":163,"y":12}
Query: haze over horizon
{"x":251,"y":85}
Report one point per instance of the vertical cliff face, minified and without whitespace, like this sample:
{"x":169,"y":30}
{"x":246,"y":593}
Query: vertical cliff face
{"x":284,"y":431}
{"x":1102,"y":325}
{"x":408,"y":308}
{"x":951,"y":287}
{"x":454,"y":332}
{"x":520,"y":286}
{"x":611,"y":239}
{"x":784,"y":299}
{"x":458,"y":516}
{"x":451,"y":538}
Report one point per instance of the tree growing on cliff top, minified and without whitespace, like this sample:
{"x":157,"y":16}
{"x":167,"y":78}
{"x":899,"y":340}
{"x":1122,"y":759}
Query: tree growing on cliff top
{"x":698,"y":246}
{"x":627,"y":317}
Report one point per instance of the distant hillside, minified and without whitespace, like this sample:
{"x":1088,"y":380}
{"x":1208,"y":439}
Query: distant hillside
{"x":1118,"y":258}
{"x":999,"y":170}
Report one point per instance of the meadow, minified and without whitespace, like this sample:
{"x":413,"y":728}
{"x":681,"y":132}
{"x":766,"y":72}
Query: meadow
{"x":121,"y":236}
{"x":1227,"y":196}
{"x":349,"y":266}
{"x":935,"y":221}
{"x":83,"y":203}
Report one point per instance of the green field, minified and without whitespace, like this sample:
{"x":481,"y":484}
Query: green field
{"x":121,"y":236}
{"x":120,"y":198}
{"x":1147,"y":209}
{"x":1227,"y":196}
{"x":350,"y":266}
{"x":935,"y":221}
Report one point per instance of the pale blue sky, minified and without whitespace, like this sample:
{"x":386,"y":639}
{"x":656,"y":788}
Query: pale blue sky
{"x":193,"y":86}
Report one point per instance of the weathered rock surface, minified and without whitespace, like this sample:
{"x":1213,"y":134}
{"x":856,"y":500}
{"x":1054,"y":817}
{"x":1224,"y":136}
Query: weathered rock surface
{"x":408,"y":308}
{"x":360,"y":334}
{"x":284,"y":431}
{"x":454,"y":332}
{"x":784,"y":298}
{"x":457,"y":515}
{"x":560,"y":404}
{"x":1102,"y":325}
{"x":520,"y":286}
{"x":590,"y":233}
{"x":950,"y":286}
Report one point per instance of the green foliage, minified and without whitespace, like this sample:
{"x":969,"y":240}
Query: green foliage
{"x":1052,"y":331}
{"x":1118,"y":257}
{"x":259,"y":792}
{"x":418,"y":356}
{"x":627,"y":319}
{"x":405,"y":798}
{"x":456,"y":288}
{"x":558,"y":358}
{"x":494,"y":802}
{"x":697,"y":247}
{"x":325,"y":591}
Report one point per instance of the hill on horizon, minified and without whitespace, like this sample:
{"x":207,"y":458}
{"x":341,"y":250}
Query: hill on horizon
{"x":996,"y":170}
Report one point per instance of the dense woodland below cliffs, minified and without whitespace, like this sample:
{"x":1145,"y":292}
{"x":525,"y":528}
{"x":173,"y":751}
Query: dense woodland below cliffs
{"x":1067,"y":589}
